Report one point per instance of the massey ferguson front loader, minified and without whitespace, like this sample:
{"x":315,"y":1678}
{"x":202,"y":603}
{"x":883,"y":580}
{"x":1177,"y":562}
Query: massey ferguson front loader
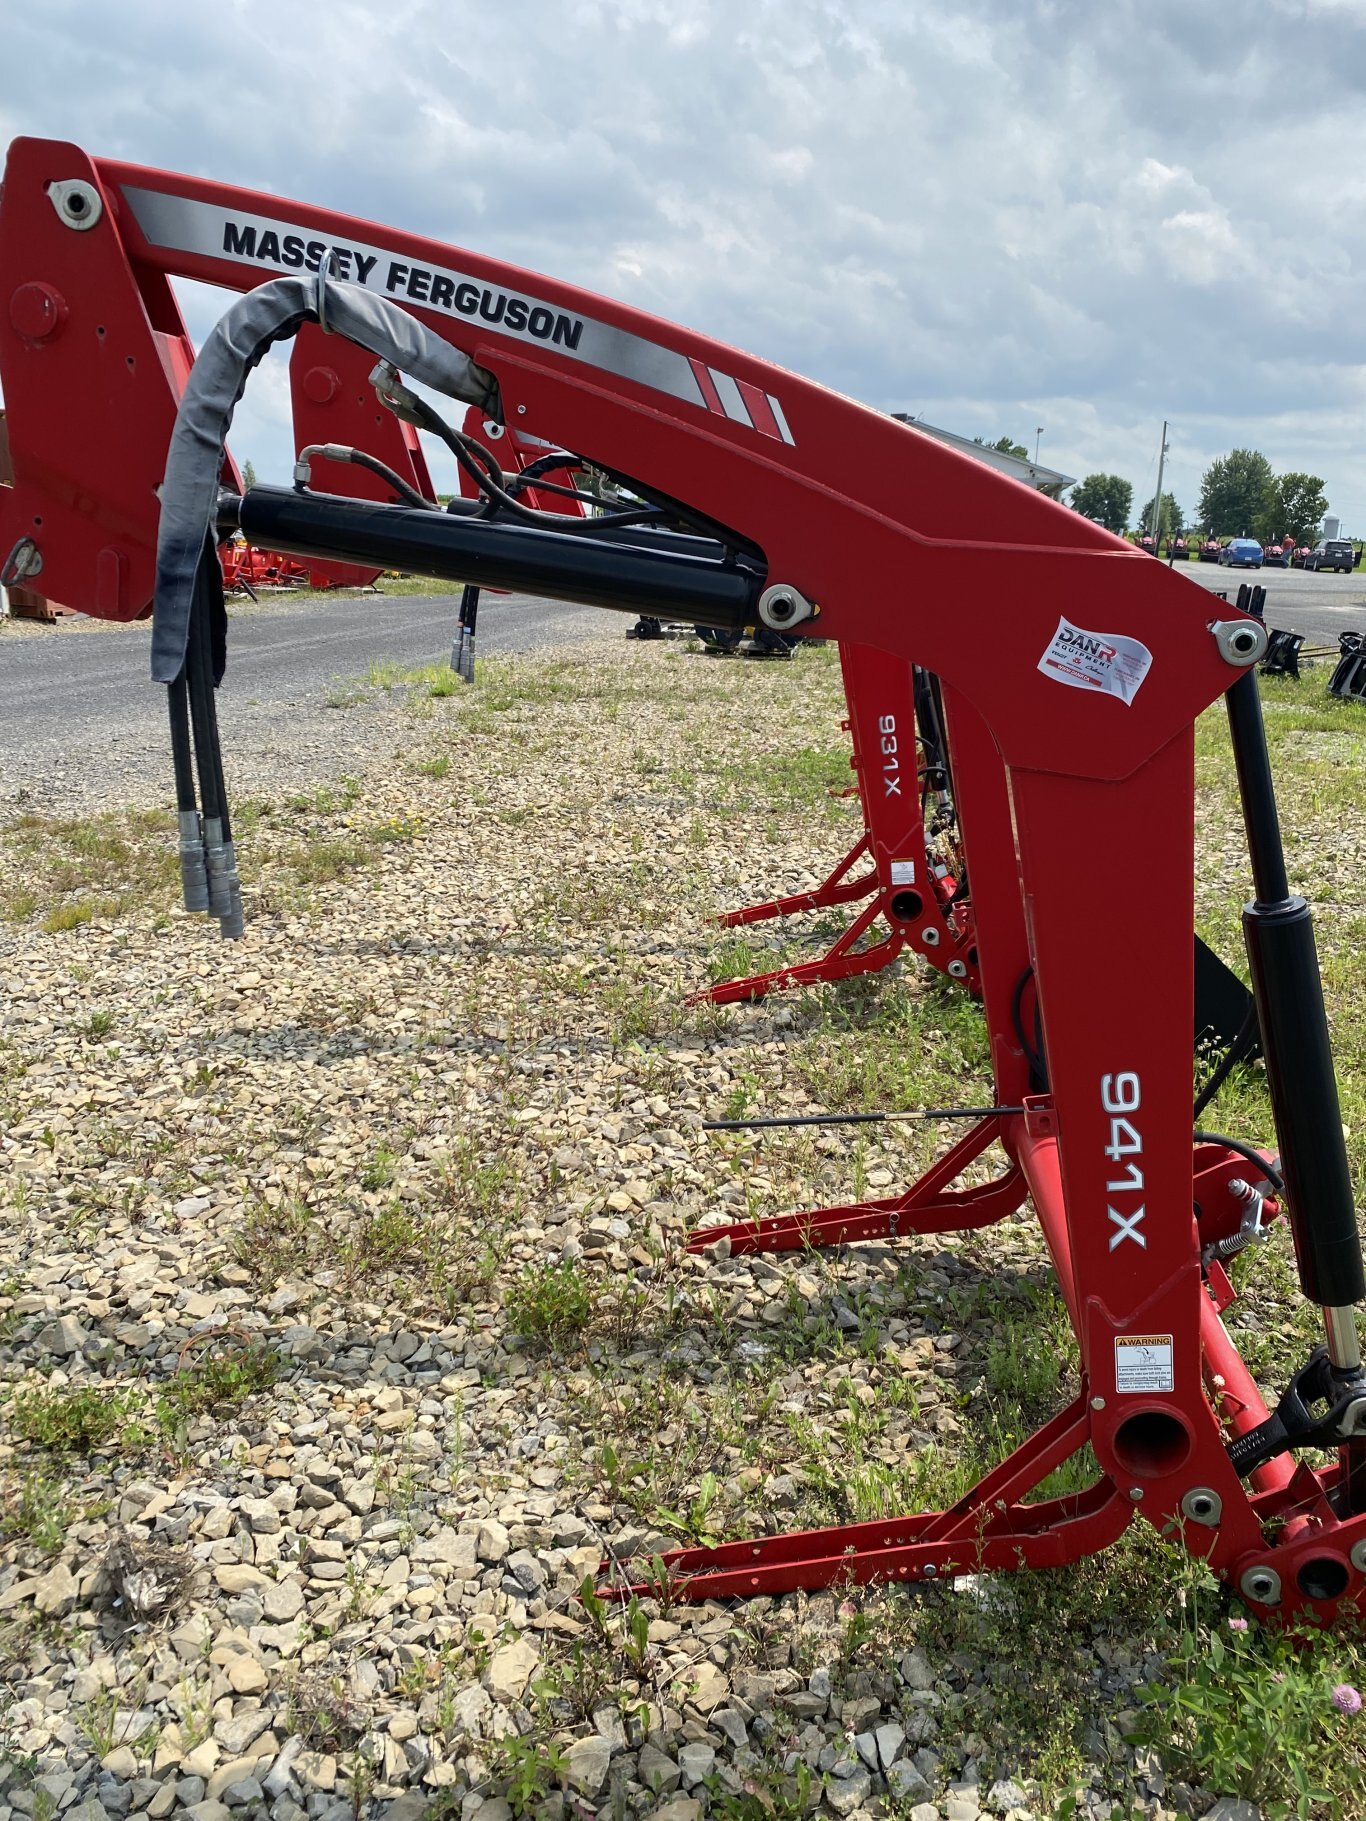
{"x":1072,"y":672}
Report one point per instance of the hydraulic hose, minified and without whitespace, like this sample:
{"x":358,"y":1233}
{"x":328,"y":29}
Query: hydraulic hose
{"x":224,"y":888}
{"x":194,"y":878}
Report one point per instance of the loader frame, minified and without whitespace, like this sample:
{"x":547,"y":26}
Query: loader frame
{"x":1073,"y":671}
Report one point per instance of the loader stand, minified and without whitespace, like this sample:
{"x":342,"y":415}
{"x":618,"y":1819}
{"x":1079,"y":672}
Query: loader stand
{"x":910,"y":887}
{"x":929,"y":1206}
{"x":991,"y":1529}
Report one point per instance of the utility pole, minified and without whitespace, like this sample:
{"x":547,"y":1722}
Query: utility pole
{"x":1037,"y":434}
{"x":1156,"y":526}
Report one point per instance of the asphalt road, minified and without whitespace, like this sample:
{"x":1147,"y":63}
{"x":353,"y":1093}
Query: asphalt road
{"x":1297,"y":600}
{"x":80,"y":720}
{"x":79,"y":713}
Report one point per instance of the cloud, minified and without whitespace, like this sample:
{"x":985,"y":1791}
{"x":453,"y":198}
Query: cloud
{"x":999,"y":213}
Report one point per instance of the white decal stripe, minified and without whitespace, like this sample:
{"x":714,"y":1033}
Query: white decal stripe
{"x":781,"y":421}
{"x":181,"y":224}
{"x":731,"y":402}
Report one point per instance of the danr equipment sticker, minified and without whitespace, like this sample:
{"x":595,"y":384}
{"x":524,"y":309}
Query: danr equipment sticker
{"x":1107,"y":662}
{"x":903,"y":872}
{"x":1143,"y":1362}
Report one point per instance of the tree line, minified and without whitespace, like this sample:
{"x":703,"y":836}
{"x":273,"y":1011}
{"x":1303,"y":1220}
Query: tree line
{"x":1241,"y":495}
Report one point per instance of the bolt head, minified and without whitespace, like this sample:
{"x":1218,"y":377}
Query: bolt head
{"x":36,"y":311}
{"x":321,"y":385}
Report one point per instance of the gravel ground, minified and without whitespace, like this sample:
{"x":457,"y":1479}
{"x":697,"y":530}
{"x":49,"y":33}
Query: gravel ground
{"x":349,"y":1258}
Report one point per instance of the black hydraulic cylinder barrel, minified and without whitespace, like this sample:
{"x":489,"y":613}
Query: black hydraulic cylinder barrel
{"x":1299,"y":1058}
{"x":502,"y":553}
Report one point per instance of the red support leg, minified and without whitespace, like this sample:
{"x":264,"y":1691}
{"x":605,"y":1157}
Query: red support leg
{"x":930,"y":1206}
{"x":909,"y":889}
{"x":834,"y":889}
{"x":989,"y":1530}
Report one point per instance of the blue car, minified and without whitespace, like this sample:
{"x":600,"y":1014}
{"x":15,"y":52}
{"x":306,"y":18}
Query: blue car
{"x":1241,"y":553}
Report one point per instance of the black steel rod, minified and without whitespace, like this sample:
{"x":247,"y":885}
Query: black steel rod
{"x":492,"y":553}
{"x":745,"y":1125}
{"x":1257,"y":790}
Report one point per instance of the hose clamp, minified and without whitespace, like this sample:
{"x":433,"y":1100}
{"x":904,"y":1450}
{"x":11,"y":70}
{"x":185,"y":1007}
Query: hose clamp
{"x":325,"y":271}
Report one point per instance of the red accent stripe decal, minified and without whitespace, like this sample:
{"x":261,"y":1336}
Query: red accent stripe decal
{"x":708,"y":385}
{"x":760,"y":411}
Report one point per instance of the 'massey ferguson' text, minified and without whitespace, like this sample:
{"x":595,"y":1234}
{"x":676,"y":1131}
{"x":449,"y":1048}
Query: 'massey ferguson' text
{"x":397,"y":278}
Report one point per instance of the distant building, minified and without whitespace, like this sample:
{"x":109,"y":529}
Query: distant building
{"x":1033,"y":474}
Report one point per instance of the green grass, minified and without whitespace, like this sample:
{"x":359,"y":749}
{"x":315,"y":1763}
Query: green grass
{"x":129,"y":1420}
{"x":431,"y":1253}
{"x":66,"y":871}
{"x":797,"y":779}
{"x":82,"y":1420}
{"x":36,"y":1509}
{"x":551,"y":1305}
{"x":220,"y":1378}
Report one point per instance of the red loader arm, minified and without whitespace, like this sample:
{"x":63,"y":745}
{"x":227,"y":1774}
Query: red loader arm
{"x":1073,"y":671}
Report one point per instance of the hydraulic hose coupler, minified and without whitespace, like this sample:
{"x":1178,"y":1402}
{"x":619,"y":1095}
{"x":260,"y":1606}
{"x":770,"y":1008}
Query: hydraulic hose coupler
{"x":194,"y":877}
{"x":225,"y":889}
{"x":232,"y":925}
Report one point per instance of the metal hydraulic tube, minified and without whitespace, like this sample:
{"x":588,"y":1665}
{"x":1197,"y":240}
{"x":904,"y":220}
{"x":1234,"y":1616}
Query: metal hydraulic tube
{"x":644,"y":576}
{"x":643,"y":536}
{"x":1299,"y":1058}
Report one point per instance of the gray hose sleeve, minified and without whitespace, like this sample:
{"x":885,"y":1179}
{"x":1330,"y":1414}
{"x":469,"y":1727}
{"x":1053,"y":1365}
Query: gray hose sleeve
{"x":270,"y":313}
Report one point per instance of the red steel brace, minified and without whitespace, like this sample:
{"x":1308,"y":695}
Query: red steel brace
{"x":1075,"y":665}
{"x":931,"y":1204}
{"x":908,"y":887}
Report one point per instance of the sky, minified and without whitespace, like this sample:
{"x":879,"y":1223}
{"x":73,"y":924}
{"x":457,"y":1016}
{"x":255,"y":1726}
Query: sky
{"x":1050,"y":218}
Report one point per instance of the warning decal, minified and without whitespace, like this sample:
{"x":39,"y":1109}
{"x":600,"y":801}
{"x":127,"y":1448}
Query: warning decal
{"x":903,"y":872}
{"x":1143,"y":1362}
{"x":1107,"y":663}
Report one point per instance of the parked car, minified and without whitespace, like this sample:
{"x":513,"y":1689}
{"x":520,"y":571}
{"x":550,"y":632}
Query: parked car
{"x":1333,"y":553}
{"x":1209,"y":550}
{"x":1275,"y":556}
{"x":1241,"y":553}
